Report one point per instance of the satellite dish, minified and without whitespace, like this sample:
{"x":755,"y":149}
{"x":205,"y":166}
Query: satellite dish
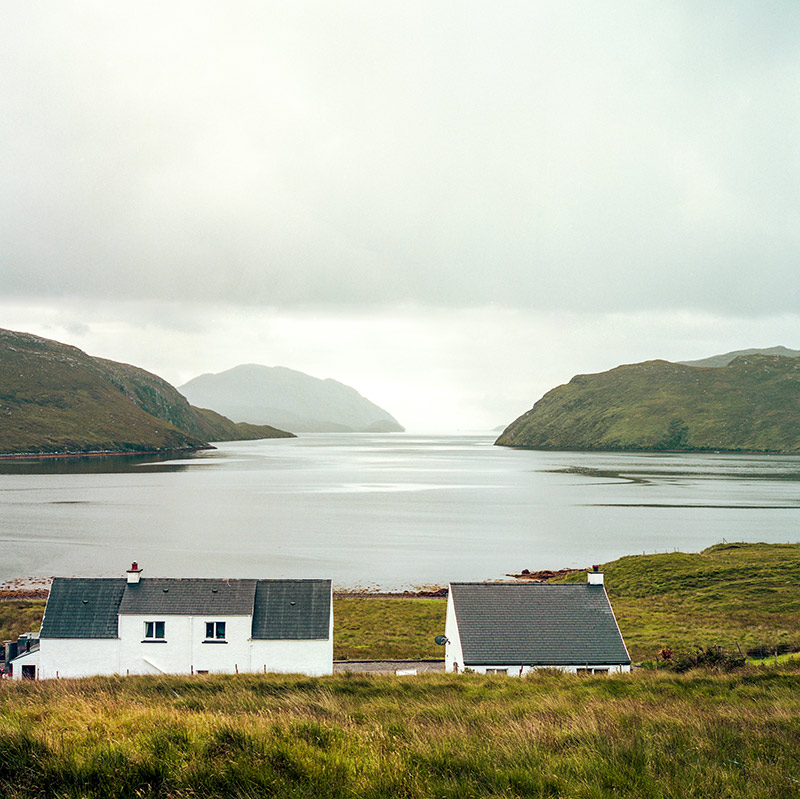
{"x":442,"y":640}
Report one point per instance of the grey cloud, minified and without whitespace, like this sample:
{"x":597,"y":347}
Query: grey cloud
{"x":579,"y":155}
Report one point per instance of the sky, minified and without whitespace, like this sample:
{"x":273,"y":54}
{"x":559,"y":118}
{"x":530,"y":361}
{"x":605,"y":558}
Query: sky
{"x":451,"y":207}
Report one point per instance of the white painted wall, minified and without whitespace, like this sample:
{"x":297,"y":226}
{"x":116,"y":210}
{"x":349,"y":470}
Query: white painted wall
{"x":514,"y":671}
{"x":314,"y":658}
{"x":77,"y":657}
{"x":25,"y":659}
{"x":184,"y":648}
{"x":452,"y":649}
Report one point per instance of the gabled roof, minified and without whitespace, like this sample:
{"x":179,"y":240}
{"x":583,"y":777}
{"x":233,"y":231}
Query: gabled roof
{"x":82,"y":608}
{"x":188,"y":597}
{"x":292,"y":609}
{"x":280,"y":609}
{"x":536,"y":624}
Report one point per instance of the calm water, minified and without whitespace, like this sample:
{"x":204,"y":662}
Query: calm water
{"x":383,"y":510}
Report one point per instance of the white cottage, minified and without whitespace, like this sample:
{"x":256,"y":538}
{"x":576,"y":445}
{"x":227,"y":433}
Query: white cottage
{"x":513,"y":628}
{"x":183,"y":626}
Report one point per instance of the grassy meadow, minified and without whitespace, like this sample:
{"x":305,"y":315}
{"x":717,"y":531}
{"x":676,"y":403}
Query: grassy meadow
{"x":650,"y":734}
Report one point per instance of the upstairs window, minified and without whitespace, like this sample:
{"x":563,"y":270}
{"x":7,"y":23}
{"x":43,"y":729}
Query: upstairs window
{"x":215,"y":631}
{"x":154,"y":630}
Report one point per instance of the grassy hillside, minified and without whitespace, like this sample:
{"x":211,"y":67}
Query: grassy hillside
{"x":57,"y":399}
{"x":727,"y":357}
{"x":460,"y":736}
{"x":753,"y":404}
{"x":216,"y":427}
{"x":734,"y":595}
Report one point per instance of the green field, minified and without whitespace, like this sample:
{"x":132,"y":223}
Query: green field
{"x":650,"y":734}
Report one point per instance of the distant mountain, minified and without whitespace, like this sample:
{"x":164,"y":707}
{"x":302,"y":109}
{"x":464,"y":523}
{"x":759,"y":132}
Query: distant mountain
{"x":289,"y":399}
{"x":724,"y":360}
{"x":55,"y":398}
{"x":752,"y":404}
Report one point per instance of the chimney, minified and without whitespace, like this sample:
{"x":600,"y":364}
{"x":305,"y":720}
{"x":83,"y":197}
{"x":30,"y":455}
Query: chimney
{"x":595,"y":577}
{"x":134,"y":573}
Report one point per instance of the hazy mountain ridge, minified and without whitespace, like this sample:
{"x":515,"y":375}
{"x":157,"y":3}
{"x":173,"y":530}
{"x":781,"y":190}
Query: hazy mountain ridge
{"x":727,"y":357}
{"x":54,"y":398}
{"x":288,"y":398}
{"x":752,"y":404}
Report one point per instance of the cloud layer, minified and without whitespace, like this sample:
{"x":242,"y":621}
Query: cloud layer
{"x":563,"y":156}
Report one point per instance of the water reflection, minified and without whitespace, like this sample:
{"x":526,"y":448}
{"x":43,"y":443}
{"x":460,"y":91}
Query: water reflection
{"x":102,"y":464}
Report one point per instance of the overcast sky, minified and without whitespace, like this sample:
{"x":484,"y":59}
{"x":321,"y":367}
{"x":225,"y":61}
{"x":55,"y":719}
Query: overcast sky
{"x":452,"y":207}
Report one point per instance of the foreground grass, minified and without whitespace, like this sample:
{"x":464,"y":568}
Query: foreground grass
{"x":643,"y":735}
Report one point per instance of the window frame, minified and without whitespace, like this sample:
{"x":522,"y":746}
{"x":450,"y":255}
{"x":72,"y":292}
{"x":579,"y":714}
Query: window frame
{"x":218,"y":632}
{"x":152,"y":628}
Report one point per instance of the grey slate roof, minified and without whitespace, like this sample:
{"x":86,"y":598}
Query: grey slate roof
{"x":536,"y":624}
{"x":292,"y":609}
{"x":82,"y":608}
{"x":281,"y":609}
{"x":189,"y":597}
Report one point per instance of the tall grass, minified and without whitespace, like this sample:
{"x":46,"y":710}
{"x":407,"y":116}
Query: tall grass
{"x":644,"y":735}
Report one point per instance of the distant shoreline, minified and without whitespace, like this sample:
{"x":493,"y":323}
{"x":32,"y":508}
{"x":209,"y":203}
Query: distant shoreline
{"x":98,"y":453}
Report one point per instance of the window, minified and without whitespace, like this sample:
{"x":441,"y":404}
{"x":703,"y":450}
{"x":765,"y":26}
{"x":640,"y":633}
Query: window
{"x":215,"y":631}
{"x":154,"y":630}
{"x":497,"y":671}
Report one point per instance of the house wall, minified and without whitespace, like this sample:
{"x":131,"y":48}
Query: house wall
{"x":25,"y":659}
{"x":452,"y":650}
{"x":314,"y":658}
{"x":77,"y":657}
{"x":184,"y":648}
{"x":514,"y":671}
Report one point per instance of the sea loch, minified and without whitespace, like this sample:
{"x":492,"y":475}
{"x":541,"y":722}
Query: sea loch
{"x":390,"y":511}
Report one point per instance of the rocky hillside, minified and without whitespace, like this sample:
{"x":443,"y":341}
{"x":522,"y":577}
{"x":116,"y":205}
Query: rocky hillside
{"x":288,"y":399}
{"x":55,"y":398}
{"x":752,"y":404}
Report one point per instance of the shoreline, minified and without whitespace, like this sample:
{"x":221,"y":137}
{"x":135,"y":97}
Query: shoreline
{"x":31,"y":588}
{"x":98,"y":453}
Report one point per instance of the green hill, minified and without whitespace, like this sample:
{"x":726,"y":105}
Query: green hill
{"x":56,"y":399}
{"x":752,"y":404}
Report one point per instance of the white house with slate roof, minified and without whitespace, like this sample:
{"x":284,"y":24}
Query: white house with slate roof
{"x":184,"y":626}
{"x":513,"y":628}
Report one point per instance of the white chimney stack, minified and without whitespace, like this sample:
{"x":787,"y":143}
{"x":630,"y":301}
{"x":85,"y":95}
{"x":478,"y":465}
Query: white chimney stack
{"x":595,"y":577}
{"x":134,"y":573}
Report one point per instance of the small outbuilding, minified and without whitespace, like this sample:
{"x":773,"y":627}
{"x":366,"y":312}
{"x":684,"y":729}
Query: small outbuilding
{"x":513,"y":628}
